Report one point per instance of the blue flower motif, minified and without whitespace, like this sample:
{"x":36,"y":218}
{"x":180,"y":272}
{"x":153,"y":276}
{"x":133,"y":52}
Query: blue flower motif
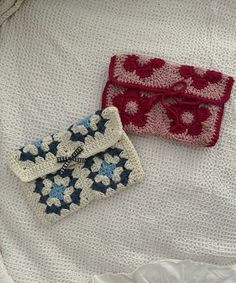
{"x":37,"y":143}
{"x":57,"y":191}
{"x":85,"y":122}
{"x":107,"y":169}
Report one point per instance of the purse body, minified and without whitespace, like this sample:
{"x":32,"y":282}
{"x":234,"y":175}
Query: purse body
{"x":107,"y":163}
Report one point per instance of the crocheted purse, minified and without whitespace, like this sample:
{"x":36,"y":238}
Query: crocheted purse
{"x":65,"y":171}
{"x":177,"y":102}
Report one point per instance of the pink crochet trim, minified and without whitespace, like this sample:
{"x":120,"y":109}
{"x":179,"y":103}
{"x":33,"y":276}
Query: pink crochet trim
{"x":178,"y":102}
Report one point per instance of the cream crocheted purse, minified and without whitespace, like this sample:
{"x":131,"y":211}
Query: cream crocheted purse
{"x":65,"y":171}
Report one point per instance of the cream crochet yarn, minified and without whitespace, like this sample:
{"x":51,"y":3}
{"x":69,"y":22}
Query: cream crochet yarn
{"x":107,"y":163}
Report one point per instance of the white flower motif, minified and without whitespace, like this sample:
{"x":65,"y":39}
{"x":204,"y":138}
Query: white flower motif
{"x":116,"y":178}
{"x":67,"y":194}
{"x":89,"y":122}
{"x":123,"y":155}
{"x":89,"y":139}
{"x":47,"y":186}
{"x":118,"y":170}
{"x":55,"y":201}
{"x":80,"y":129}
{"x":93,"y":122}
{"x":30,"y":148}
{"x":39,"y":159}
{"x":95,"y":118}
{"x":37,"y":144}
{"x":97,"y":164}
{"x":109,"y":159}
{"x":61,"y":181}
{"x":120,"y":186}
{"x":49,"y":156}
{"x":98,"y":135}
{"x":68,"y":191}
{"x":128,"y":165}
{"x":116,"y":174}
{"x":102,"y":178}
{"x":45,"y":143}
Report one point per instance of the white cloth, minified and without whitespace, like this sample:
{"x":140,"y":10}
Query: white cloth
{"x":173,"y":271}
{"x":7,"y":8}
{"x":4,"y":276}
{"x":53,"y":65}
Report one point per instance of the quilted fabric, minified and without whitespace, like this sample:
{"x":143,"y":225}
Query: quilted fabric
{"x":54,"y":57}
{"x":63,"y":172}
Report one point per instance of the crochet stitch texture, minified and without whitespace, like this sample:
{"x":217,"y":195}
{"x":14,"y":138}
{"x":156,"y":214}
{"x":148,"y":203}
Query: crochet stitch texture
{"x":54,"y":57}
{"x":110,"y":164}
{"x":178,"y":102}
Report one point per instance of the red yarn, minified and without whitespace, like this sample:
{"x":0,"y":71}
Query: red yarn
{"x":132,"y":64}
{"x":213,"y":76}
{"x":194,"y":125}
{"x":177,"y":102}
{"x":199,"y":81}
{"x":138,"y":118}
{"x":134,"y":108}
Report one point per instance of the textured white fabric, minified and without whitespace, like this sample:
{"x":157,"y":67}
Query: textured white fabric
{"x":53,"y":65}
{"x":4,"y":276}
{"x":173,"y":271}
{"x":7,"y":8}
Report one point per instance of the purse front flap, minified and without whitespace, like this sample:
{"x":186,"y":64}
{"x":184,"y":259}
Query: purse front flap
{"x":165,"y":78}
{"x":88,"y":137}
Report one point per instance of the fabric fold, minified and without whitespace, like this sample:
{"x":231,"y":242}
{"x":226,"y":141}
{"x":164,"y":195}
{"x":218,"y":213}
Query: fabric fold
{"x":173,"y":271}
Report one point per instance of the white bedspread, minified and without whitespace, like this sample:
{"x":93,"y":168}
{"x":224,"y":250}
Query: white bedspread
{"x":53,"y":65}
{"x":173,"y":271}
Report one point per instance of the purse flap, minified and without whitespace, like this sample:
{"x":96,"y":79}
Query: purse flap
{"x":155,"y":74}
{"x":92,"y":134}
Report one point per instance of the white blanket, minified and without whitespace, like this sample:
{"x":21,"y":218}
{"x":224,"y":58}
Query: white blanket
{"x":53,"y":65}
{"x":7,"y":8}
{"x":173,"y":271}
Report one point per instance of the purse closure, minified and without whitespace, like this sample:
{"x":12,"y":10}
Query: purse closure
{"x":86,"y":138}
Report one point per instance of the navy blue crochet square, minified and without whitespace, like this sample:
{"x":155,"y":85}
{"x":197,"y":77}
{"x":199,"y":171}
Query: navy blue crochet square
{"x":107,"y":169}
{"x":57,"y":192}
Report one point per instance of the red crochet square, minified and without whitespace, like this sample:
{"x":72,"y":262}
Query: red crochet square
{"x":177,"y":102}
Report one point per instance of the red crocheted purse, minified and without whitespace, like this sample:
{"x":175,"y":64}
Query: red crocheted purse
{"x":177,"y":102}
